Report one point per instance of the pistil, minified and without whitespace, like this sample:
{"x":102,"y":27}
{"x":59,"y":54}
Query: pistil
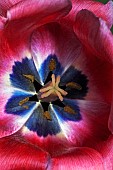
{"x":53,"y":88}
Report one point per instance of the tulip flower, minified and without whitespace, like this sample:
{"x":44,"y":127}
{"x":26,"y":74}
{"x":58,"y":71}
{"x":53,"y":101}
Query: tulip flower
{"x":56,"y":62}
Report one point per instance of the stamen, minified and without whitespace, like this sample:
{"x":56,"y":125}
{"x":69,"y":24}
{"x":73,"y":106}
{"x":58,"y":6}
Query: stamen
{"x":52,"y":65}
{"x":25,"y":107}
{"x":53,"y":79}
{"x":59,"y":95}
{"x":22,"y":102}
{"x":47,"y":93}
{"x":74,"y":85}
{"x":63,"y":92}
{"x":57,"y":80}
{"x":45,"y":89}
{"x":47,"y":115}
{"x":29,"y":77}
{"x":69,"y":110}
{"x":53,"y":89}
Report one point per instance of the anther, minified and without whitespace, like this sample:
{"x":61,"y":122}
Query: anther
{"x":52,"y":65}
{"x":69,"y":110}
{"x":74,"y":85}
{"x":22,"y":102}
{"x":29,"y":77}
{"x":47,"y":115}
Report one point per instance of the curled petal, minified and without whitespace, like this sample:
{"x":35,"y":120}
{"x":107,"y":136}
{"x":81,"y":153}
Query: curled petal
{"x":16,"y":153}
{"x":19,"y":10}
{"x":95,"y":7}
{"x":28,"y":14}
{"x":93,"y":67}
{"x":94,"y":34}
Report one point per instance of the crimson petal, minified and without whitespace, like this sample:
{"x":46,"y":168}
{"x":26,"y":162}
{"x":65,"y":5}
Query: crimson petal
{"x":28,"y":14}
{"x":16,"y":153}
{"x":77,"y":159}
{"x":94,"y":34}
{"x":106,"y":150}
{"x":95,"y":7}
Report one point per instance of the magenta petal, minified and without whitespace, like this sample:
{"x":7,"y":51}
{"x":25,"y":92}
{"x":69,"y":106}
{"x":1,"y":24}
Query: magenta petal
{"x":27,"y":15}
{"x":94,"y":34}
{"x":110,"y":123}
{"x":106,"y":150}
{"x":26,"y":8}
{"x":16,"y":153}
{"x":78,"y":159}
{"x":95,"y":7}
{"x":5,"y":5}
{"x":2,"y":22}
{"x":99,"y":75}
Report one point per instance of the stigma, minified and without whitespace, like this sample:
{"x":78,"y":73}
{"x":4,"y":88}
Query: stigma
{"x":53,"y":88}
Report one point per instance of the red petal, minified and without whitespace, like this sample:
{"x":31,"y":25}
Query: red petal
{"x":104,"y":11}
{"x":27,"y":15}
{"x":99,"y":74}
{"x":94,"y":35}
{"x":78,"y":159}
{"x":49,"y":143}
{"x":16,"y":153}
{"x":110,"y":123}
{"x":106,"y":150}
{"x":2,"y":22}
{"x":26,"y":8}
{"x":94,"y":125}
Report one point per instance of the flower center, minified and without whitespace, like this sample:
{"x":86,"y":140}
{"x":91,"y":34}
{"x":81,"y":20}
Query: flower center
{"x":53,"y":89}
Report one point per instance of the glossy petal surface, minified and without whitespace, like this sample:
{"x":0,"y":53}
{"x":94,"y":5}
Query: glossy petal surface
{"x":77,"y":159}
{"x":28,"y":15}
{"x":97,"y":8}
{"x":22,"y":155}
{"x":92,"y":32}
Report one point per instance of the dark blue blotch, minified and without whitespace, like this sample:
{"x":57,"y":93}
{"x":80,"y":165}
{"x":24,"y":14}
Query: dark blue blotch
{"x":12,"y":106}
{"x":43,"y":127}
{"x":25,"y":67}
{"x":74,"y":75}
{"x":44,"y":70}
{"x":65,"y":116}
